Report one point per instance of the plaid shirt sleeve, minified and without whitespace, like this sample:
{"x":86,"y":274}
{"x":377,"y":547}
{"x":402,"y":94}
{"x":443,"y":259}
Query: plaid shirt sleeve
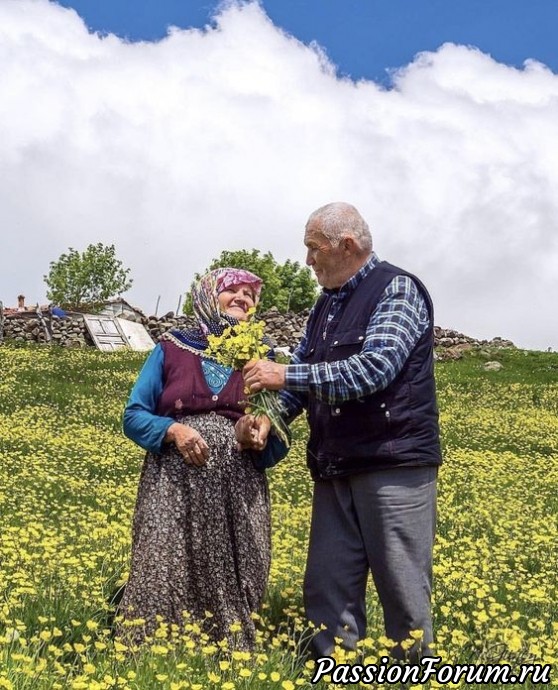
{"x":293,"y":402}
{"x":395,"y":327}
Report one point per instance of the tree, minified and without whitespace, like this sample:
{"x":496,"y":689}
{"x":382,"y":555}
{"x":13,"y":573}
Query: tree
{"x":85,"y":280}
{"x":288,"y":286}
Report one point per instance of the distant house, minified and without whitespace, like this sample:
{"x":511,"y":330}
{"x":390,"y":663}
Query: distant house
{"x":114,"y":307}
{"x":22,"y":309}
{"x":119,"y":307}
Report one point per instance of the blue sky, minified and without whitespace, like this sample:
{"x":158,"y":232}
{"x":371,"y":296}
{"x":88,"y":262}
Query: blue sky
{"x":364,"y":38}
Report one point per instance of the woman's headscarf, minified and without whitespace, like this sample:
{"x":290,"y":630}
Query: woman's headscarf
{"x":205,"y":296}
{"x":205,"y":302}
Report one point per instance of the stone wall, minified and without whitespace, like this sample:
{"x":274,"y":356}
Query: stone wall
{"x":68,"y":332}
{"x":284,"y":330}
{"x":451,"y":344}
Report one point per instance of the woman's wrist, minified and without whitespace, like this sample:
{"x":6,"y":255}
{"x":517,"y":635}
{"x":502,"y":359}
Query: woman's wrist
{"x":170,"y":436}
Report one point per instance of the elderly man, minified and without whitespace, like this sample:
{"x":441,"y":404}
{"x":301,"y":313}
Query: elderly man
{"x":364,"y":373}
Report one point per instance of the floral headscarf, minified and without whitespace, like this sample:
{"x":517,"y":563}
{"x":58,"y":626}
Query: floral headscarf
{"x":205,"y":303}
{"x":207,"y":290}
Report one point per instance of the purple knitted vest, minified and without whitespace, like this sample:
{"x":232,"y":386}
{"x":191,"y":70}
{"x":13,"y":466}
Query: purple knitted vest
{"x":186,"y":392}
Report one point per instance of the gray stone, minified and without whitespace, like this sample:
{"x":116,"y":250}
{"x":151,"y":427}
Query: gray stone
{"x":493,"y":366}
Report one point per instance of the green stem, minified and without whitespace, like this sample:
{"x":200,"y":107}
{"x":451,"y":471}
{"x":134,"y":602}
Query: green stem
{"x":267,"y":402}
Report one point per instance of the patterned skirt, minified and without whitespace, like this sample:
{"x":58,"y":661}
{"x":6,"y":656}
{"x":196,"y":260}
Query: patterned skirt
{"x":201,"y":540}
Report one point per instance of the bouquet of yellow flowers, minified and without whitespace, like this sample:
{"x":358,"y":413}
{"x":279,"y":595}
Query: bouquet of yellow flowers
{"x":238,"y":345}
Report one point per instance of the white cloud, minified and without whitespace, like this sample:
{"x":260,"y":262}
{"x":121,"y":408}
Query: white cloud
{"x":229,"y":137}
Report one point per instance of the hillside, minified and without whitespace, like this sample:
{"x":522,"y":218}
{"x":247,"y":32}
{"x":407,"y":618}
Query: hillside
{"x":67,"y":488}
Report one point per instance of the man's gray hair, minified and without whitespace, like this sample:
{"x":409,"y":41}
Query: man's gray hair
{"x":339,"y":219}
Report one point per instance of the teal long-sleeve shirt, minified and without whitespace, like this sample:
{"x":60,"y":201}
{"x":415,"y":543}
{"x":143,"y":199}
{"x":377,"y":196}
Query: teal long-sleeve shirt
{"x":140,"y":423}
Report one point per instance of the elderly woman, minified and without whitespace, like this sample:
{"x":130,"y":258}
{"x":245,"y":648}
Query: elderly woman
{"x":201,"y":532}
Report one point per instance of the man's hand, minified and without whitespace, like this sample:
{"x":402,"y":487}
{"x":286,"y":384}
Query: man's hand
{"x":263,"y":374}
{"x":189,"y":443}
{"x":252,"y":432}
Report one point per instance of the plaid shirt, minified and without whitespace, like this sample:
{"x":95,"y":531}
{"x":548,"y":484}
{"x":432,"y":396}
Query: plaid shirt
{"x":395,"y":327}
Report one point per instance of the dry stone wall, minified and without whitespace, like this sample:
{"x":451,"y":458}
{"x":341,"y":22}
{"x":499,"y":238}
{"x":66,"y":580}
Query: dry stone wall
{"x":284,"y":329}
{"x":67,"y":332}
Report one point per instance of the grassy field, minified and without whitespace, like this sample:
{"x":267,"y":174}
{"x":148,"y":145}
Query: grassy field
{"x":67,"y":488}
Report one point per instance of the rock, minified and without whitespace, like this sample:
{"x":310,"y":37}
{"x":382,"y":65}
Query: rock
{"x":493,"y":366}
{"x":449,"y":353}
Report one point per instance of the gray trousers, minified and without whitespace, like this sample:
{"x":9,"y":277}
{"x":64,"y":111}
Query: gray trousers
{"x":383,"y":522}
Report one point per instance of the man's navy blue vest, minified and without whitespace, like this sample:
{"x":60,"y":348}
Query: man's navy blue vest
{"x":394,"y":427}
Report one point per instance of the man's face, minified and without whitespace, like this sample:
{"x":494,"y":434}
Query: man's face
{"x":326,"y":261}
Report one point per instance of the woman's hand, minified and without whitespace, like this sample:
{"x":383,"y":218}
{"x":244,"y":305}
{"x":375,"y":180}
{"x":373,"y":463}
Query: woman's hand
{"x":252,"y":432}
{"x":189,"y":444}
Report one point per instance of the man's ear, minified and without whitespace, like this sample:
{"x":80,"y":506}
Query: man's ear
{"x":348,"y":244}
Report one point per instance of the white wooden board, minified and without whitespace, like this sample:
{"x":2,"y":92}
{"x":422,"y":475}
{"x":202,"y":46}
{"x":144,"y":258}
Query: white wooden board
{"x":136,"y":334}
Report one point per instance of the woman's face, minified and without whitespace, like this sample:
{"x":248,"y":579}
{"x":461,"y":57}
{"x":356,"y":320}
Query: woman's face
{"x":237,"y":300}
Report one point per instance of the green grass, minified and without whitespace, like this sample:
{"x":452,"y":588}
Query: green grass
{"x":67,"y":488}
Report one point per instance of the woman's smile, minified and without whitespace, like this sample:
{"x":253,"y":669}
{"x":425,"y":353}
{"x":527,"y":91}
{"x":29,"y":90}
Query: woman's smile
{"x":237,"y":301}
